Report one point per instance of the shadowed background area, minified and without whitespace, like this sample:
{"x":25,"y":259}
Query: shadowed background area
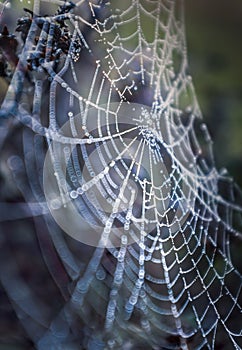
{"x":215,"y":53}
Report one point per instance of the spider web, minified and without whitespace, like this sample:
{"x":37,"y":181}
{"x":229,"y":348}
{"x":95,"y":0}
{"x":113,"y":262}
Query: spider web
{"x":117,"y":131}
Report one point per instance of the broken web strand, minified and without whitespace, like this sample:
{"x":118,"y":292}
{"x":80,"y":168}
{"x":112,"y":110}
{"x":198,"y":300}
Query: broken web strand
{"x":168,"y":92}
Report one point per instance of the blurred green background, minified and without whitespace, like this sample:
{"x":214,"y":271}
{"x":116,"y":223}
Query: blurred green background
{"x":214,"y":32}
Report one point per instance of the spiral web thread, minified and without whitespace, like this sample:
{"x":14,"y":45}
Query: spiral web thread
{"x":175,"y":286}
